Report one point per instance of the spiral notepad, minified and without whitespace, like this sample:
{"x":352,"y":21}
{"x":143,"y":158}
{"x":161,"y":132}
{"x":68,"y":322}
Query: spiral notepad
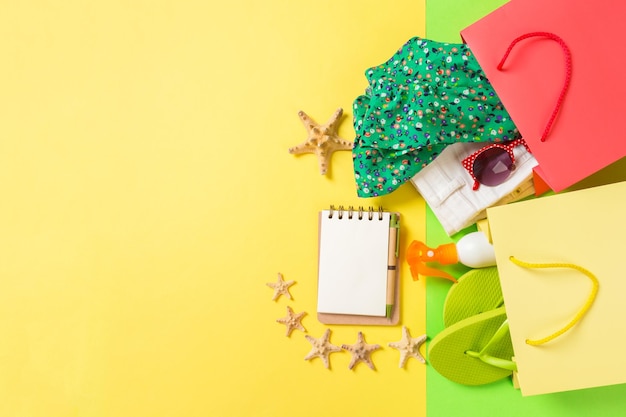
{"x":357,"y":278}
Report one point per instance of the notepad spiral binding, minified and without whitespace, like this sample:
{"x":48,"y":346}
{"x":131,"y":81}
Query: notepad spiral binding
{"x":350,"y":211}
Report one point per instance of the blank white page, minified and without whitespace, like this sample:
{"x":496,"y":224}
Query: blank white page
{"x":353,"y":260}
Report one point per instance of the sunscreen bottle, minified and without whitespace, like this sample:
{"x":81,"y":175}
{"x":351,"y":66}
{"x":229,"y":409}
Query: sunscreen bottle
{"x":473,"y":250}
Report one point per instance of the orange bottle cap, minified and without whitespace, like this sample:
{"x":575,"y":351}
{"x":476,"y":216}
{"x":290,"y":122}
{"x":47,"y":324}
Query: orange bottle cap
{"x":418,"y":254}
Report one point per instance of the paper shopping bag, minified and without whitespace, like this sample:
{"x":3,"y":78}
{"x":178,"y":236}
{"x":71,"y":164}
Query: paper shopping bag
{"x":564,"y":85}
{"x":577,"y":229}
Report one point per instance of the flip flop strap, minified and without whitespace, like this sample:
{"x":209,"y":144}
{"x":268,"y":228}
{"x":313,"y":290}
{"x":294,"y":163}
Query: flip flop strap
{"x":502,"y":331}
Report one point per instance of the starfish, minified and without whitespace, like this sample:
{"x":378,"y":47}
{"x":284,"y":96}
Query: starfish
{"x":409,"y":347}
{"x":292,"y":321}
{"x":322,"y":347}
{"x":323,"y":140}
{"x":361,"y":352}
{"x":281,"y":287}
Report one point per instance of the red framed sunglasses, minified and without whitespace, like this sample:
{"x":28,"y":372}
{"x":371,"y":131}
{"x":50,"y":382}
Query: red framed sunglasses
{"x":493,"y":164}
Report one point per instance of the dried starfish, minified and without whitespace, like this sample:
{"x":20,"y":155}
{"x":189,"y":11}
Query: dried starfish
{"x":281,"y":287}
{"x":292,"y":321}
{"x":323,"y":140}
{"x":409,"y":347}
{"x":322,"y":348}
{"x":361,"y":352}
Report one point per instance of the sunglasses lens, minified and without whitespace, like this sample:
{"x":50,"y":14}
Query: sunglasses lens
{"x":493,"y":167}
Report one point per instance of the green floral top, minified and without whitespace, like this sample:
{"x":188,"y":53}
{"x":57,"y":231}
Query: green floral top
{"x":427,"y":96}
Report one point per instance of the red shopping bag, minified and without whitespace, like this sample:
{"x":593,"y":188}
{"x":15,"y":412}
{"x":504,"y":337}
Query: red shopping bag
{"x":561,"y":80}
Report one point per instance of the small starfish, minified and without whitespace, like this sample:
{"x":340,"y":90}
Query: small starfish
{"x":409,"y":347}
{"x":323,"y":140}
{"x":322,"y":347}
{"x":361,"y":352}
{"x":281,"y":287}
{"x":292,"y":321}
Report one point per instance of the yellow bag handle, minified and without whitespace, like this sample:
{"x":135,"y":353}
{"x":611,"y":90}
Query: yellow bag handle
{"x":581,"y":312}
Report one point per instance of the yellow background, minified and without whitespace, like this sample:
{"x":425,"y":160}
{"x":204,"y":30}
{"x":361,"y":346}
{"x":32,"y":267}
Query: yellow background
{"x":148,"y":197}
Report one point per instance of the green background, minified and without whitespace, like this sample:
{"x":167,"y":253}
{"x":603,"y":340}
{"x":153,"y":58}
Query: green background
{"x":444,"y":21}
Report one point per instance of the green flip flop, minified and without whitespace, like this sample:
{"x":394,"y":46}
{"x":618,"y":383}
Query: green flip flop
{"x":474,"y":351}
{"x":476,"y":291}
